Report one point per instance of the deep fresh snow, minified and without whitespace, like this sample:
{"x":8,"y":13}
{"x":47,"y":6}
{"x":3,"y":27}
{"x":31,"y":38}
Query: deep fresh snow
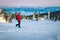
{"x":30,"y":30}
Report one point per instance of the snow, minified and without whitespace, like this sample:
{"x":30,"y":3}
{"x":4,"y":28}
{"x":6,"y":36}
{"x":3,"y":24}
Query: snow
{"x":26,"y":13}
{"x":30,"y":30}
{"x":2,"y":20}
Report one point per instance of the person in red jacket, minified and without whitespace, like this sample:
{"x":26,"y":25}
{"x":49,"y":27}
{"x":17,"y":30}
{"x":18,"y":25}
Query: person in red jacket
{"x":18,"y":17}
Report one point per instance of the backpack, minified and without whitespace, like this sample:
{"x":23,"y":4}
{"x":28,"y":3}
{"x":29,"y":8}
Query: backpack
{"x":16,"y":18}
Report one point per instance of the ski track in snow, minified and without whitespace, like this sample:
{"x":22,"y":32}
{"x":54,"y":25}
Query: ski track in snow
{"x":30,"y":30}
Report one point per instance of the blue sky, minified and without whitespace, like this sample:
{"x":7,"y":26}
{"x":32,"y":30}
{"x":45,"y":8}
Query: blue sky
{"x":30,"y":3}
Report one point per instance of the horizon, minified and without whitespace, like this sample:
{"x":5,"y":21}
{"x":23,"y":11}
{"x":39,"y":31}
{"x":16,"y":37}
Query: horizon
{"x":27,"y":6}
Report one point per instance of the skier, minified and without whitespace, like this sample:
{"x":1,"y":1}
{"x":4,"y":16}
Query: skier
{"x":18,"y":18}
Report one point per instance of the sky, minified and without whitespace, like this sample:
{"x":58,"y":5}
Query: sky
{"x":29,"y":3}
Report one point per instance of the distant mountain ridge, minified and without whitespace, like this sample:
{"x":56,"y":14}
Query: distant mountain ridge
{"x":30,"y":9}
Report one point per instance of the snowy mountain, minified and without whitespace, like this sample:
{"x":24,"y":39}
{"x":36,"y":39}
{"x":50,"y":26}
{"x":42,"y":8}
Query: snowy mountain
{"x":31,"y":9}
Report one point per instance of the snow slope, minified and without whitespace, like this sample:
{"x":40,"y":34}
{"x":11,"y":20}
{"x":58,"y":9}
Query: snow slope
{"x":30,"y":30}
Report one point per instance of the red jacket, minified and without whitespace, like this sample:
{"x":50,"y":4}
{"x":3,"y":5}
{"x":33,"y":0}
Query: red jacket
{"x":19,"y":17}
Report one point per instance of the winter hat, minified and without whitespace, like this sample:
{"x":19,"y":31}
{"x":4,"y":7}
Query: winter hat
{"x":19,"y":13}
